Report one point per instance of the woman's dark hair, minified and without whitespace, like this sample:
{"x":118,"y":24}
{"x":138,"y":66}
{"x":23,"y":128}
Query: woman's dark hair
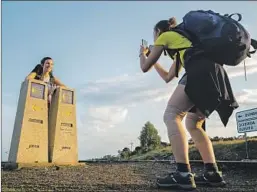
{"x":165,"y":25}
{"x":42,"y":62}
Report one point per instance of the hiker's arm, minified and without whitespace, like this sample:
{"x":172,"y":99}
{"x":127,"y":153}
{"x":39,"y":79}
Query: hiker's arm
{"x":166,"y":76}
{"x":58,"y":82}
{"x":147,"y":62}
{"x":172,"y":71}
{"x":31,"y":76}
{"x":162,"y":72}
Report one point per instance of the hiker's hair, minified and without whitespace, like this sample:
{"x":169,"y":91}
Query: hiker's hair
{"x":165,"y":25}
{"x":42,"y":62}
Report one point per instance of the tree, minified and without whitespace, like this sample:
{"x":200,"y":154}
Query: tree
{"x":110,"y":158}
{"x":137,"y":149}
{"x":125,"y":153}
{"x":149,"y":138}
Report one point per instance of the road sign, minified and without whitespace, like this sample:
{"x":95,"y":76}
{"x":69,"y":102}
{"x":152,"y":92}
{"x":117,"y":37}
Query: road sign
{"x":246,"y":120}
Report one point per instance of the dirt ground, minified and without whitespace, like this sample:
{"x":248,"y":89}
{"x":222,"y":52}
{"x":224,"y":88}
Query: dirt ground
{"x":122,"y":177}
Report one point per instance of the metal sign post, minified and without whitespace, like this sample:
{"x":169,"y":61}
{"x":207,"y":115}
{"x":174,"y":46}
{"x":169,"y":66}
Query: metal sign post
{"x":246,"y":146}
{"x":246,"y":122}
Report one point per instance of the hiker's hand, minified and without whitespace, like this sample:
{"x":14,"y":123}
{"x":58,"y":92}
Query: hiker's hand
{"x":142,"y":50}
{"x":150,"y":47}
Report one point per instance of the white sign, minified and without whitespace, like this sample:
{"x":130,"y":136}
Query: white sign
{"x":246,"y":120}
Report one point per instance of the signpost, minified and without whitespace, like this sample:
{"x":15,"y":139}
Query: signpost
{"x":246,"y":122}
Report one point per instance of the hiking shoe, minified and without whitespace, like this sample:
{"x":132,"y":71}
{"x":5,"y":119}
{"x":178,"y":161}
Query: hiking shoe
{"x":211,"y":178}
{"x":177,"y":180}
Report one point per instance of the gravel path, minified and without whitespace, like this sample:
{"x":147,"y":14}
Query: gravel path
{"x":113,"y":177}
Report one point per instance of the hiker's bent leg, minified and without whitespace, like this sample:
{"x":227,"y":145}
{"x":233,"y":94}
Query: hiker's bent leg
{"x":211,"y":175}
{"x":194,"y":122}
{"x":177,"y":108}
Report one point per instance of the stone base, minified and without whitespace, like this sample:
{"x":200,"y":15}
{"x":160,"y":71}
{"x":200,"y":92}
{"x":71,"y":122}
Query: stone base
{"x":14,"y":166}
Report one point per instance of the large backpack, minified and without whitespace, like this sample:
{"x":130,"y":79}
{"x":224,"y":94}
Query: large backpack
{"x":219,"y":37}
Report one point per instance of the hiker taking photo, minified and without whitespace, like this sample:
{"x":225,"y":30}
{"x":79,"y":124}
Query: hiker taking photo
{"x":201,"y":44}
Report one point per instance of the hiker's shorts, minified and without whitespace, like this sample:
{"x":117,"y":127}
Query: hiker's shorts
{"x":183,"y":80}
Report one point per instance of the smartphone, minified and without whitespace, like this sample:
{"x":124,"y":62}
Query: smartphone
{"x":144,"y":43}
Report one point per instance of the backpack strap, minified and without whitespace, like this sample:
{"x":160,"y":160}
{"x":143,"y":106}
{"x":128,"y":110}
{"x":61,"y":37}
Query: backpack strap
{"x":172,"y":52}
{"x":254,"y":45}
{"x":238,"y":14}
{"x":181,"y":30}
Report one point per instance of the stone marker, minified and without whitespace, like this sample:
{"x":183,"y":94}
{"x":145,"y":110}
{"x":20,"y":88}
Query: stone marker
{"x":63,"y":147}
{"x":29,"y":142}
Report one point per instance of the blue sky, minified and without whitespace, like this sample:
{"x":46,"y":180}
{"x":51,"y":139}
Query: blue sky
{"x":95,"y":48}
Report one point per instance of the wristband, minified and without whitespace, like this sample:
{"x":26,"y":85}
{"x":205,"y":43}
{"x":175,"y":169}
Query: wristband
{"x":148,"y":52}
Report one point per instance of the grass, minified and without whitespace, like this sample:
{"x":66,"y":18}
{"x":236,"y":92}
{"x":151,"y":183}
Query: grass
{"x":224,"y":150}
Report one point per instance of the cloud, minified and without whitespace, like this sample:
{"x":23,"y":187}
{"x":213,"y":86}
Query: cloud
{"x":102,"y":118}
{"x":250,"y":65}
{"x":103,"y":130}
{"x":126,"y":90}
{"x":247,"y":97}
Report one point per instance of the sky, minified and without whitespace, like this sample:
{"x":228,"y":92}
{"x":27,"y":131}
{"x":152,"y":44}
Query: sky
{"x":95,"y":47}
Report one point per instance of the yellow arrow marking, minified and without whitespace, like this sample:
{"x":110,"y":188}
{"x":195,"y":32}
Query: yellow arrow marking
{"x":35,"y":108}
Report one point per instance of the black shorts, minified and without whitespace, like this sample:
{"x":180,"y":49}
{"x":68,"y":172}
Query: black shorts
{"x":183,"y":80}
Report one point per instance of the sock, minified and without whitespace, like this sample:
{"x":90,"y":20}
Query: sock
{"x":182,"y":167}
{"x":211,"y":167}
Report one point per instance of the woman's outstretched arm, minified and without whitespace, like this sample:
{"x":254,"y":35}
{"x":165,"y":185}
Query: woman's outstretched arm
{"x":31,"y":76}
{"x":58,"y":82}
{"x":166,"y":76}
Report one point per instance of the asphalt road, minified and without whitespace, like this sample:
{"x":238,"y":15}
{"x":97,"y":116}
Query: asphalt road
{"x":122,"y":177}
